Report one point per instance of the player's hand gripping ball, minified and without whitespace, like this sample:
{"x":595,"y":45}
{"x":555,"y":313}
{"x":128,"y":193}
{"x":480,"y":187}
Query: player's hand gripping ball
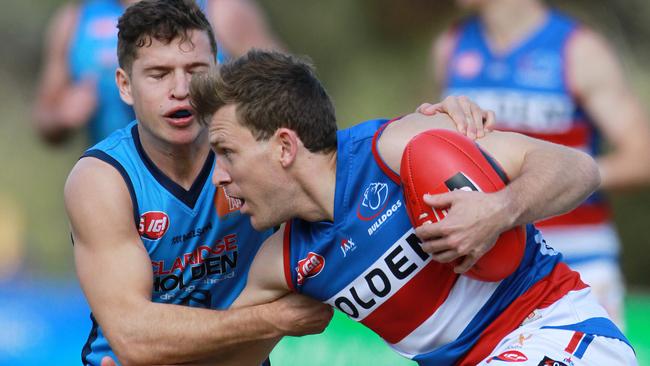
{"x":439,"y":161}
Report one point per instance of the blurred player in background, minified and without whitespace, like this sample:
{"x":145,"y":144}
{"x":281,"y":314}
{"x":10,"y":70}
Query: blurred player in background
{"x":546,"y":75}
{"x":77,"y":83}
{"x":347,"y":240}
{"x":150,"y":231}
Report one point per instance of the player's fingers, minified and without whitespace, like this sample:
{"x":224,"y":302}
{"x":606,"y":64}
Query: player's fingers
{"x":489,"y":120}
{"x":466,"y":263}
{"x":428,"y":109}
{"x":445,"y":256}
{"x":440,"y":200}
{"x":477,"y":119}
{"x":452,"y":107}
{"x":466,"y":106}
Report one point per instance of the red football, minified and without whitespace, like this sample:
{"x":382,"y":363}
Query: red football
{"x":439,"y":161}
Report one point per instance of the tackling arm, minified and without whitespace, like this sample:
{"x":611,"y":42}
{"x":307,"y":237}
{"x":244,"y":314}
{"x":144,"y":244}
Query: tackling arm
{"x":116,"y":275}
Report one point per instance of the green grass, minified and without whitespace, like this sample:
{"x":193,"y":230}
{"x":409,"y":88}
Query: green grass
{"x":345,"y":342}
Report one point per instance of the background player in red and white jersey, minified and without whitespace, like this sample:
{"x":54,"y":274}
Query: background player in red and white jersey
{"x":272,"y":126}
{"x":548,"y":76}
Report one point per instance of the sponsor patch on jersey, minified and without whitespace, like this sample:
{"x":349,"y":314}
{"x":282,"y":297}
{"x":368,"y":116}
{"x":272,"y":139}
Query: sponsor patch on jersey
{"x":373,"y":202}
{"x":547,"y":361}
{"x":310,"y":266}
{"x":224,"y":203}
{"x":468,"y":64}
{"x":510,"y":356}
{"x":153,"y":225}
{"x":347,"y":245}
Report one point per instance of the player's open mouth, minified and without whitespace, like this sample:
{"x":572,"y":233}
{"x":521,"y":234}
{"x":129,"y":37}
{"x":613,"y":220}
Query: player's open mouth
{"x":180,"y":117}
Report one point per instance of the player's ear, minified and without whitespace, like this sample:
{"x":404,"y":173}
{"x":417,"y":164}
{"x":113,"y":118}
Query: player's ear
{"x":123,"y":82}
{"x":288,"y":144}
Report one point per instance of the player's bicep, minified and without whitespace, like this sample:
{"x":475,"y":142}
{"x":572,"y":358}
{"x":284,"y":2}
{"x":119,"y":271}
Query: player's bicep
{"x":112,"y":265}
{"x":266,"y":280}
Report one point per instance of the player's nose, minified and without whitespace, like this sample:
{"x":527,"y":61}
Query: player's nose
{"x":220,"y":176}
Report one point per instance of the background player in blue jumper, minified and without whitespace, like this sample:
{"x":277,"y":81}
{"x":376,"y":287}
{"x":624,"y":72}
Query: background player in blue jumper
{"x":77,"y":83}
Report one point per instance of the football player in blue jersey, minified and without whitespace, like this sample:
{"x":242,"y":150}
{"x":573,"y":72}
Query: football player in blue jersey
{"x":77,"y":83}
{"x":551,"y":77}
{"x":272,"y":126}
{"x":147,"y":235}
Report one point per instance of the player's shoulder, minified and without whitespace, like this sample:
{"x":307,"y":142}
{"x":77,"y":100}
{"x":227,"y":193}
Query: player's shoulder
{"x":94,"y":179}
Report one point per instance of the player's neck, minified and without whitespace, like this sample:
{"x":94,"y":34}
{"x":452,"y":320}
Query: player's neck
{"x":508,"y":22}
{"x":317,"y":178}
{"x":181,"y":163}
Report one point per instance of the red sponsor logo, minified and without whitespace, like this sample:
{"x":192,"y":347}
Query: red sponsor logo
{"x":310,"y":266}
{"x":511,"y":356}
{"x":153,"y":225}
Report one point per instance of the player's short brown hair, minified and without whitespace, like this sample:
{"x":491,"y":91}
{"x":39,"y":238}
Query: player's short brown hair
{"x":271,"y":90}
{"x":163,"y":20}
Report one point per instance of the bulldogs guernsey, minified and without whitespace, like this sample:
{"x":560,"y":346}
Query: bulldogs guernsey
{"x":368,"y":264}
{"x":93,"y":54}
{"x":528,"y":90}
{"x":200,"y":246}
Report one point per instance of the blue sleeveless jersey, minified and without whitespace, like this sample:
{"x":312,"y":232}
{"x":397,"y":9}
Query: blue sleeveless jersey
{"x":529,"y":92}
{"x":368,"y":263}
{"x":222,"y":54}
{"x":200,"y":246}
{"x":93,"y":54}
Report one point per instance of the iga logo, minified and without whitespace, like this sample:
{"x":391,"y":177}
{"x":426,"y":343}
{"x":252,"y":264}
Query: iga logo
{"x":510,"y":356}
{"x":153,"y":225}
{"x":373,"y":202}
{"x":310,"y":266}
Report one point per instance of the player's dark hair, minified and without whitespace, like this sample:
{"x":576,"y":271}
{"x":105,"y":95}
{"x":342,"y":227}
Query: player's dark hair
{"x":271,"y":90}
{"x":163,"y":20}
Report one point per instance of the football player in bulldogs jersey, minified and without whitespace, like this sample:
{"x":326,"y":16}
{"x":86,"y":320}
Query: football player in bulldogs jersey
{"x":150,"y":231}
{"x":548,"y":76}
{"x":348,"y":241}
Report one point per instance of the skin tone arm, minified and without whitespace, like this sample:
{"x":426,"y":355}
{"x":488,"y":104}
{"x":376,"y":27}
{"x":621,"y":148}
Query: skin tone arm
{"x":61,"y":106}
{"x":540,"y":187}
{"x":597,"y":79}
{"x":240,"y":25}
{"x":116,"y":275}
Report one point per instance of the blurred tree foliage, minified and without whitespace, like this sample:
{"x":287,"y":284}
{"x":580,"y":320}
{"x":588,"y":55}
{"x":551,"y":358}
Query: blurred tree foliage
{"x":373,"y":56}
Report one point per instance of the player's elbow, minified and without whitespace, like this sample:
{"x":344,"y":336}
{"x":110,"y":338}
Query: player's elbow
{"x":129,"y":343}
{"x":130,"y":350}
{"x":586,"y":166}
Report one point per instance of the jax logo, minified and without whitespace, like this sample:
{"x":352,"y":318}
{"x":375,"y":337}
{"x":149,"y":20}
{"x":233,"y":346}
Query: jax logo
{"x":310,"y":266}
{"x":375,"y":198}
{"x":510,"y":356}
{"x":346,"y":246}
{"x":153,"y":225}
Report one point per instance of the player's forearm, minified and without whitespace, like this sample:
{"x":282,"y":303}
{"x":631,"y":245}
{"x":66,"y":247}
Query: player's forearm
{"x":170,"y":334}
{"x":551,"y":182}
